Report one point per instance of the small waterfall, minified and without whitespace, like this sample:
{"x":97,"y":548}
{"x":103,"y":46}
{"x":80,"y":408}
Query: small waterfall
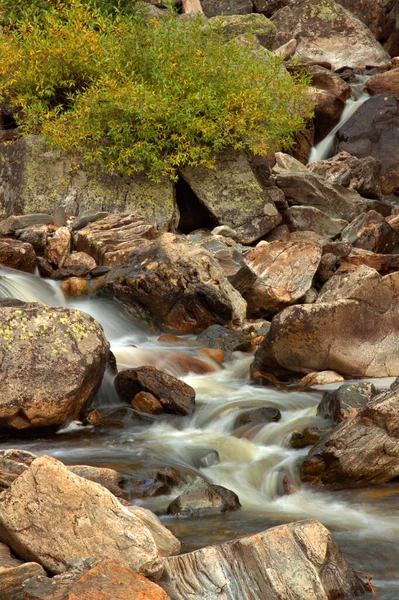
{"x":325,"y":148}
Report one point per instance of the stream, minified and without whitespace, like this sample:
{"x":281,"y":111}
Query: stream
{"x":364,"y":521}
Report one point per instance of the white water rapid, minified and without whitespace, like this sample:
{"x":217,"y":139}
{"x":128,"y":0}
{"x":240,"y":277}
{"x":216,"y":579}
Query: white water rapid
{"x":252,"y":461}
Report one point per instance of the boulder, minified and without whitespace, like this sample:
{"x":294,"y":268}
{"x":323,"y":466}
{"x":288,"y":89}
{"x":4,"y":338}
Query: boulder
{"x":309,"y":218}
{"x":374,"y":131}
{"x":346,"y":401}
{"x":80,"y":258}
{"x":344,"y":284}
{"x":372,"y":232}
{"x":37,"y":343}
{"x":299,"y":560}
{"x":222,"y":338}
{"x":36,"y":235}
{"x":113,"y":240}
{"x":300,"y":439}
{"x":157,"y":482}
{"x":75,"y":286}
{"x":327,"y":112}
{"x":360,"y":174}
{"x":375,"y":14}
{"x":233,"y":196}
{"x":285,"y":273}
{"x":356,"y":336}
{"x":201,"y":498}
{"x":362,"y":450}
{"x":58,"y":247}
{"x":384,"y":83}
{"x":36,"y":178}
{"x":326,"y":32}
{"x":176,"y":286}
{"x":320,"y":377}
{"x":10,"y":225}
{"x":17,"y":255}
{"x":167,"y":544}
{"x":13,"y":578}
{"x":55,"y":516}
{"x":324,"y":79}
{"x":105,"y":580}
{"x":309,"y":189}
{"x":88,"y":216}
{"x":174,"y":396}
{"x":234,"y":26}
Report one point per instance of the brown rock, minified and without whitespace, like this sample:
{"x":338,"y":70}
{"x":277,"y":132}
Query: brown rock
{"x":321,"y":378}
{"x":323,"y":79}
{"x":308,"y":437}
{"x":89,"y":521}
{"x":37,"y":344}
{"x":167,"y":543}
{"x":75,"y":286}
{"x":327,"y":112}
{"x":346,"y":401}
{"x":58,"y":247}
{"x":175,"y":396}
{"x":108,"y":478}
{"x":215,"y":355}
{"x":309,"y":218}
{"x":17,"y":255}
{"x":200,"y":498}
{"x":180,"y":364}
{"x":372,"y":232}
{"x":299,"y":560}
{"x":384,"y":83}
{"x":80,"y":258}
{"x":146,"y":402}
{"x":285,"y":272}
{"x":36,"y":235}
{"x":12,"y":579}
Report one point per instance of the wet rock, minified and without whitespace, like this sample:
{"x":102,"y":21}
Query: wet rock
{"x":234,"y":26}
{"x":107,"y":579}
{"x":17,"y":255}
{"x":216,"y":355}
{"x":254,"y":416}
{"x":233,"y":196}
{"x":324,"y":79}
{"x":298,"y":560}
{"x":200,"y":499}
{"x":175,"y":285}
{"x":89,"y":521}
{"x":13,"y":578}
{"x":326,"y":32}
{"x":212,"y":8}
{"x":37,"y":344}
{"x":346,"y":401}
{"x":180,"y":364}
{"x":175,"y":396}
{"x":362,"y":450}
{"x":147,"y":403}
{"x":309,"y":189}
{"x":327,"y":112}
{"x":58,"y":247}
{"x":372,"y":232}
{"x":321,"y":378}
{"x":224,"y":339}
{"x":285,"y":273}
{"x":374,"y":131}
{"x":98,"y":272}
{"x":308,"y":437}
{"x":44,"y":267}
{"x":356,"y":336}
{"x":309,"y":218}
{"x":75,"y":286}
{"x":167,"y":544}
{"x":157,"y":483}
{"x":360,"y":174}
{"x":112,"y":240}
{"x":36,"y":235}
{"x":10,"y":225}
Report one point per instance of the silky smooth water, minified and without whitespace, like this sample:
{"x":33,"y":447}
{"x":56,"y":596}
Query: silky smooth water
{"x":252,"y":460}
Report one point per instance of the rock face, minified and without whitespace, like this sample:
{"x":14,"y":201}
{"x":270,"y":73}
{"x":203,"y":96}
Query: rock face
{"x":326,"y":32}
{"x":233,"y":196}
{"x":53,"y":515}
{"x":17,"y":255}
{"x":374,"y":131}
{"x":285,"y":272}
{"x":175,"y":285}
{"x":363,"y":450}
{"x":37,"y":344}
{"x":308,"y":189}
{"x":174,"y":396}
{"x":35,"y":178}
{"x":112,"y":240}
{"x":297,"y":561}
{"x":355,"y":336}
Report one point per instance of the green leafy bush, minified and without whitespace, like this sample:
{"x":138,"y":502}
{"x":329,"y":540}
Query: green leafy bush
{"x":129,"y":93}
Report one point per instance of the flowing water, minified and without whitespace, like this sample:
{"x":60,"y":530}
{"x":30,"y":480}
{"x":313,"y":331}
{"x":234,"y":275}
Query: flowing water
{"x":252,"y":461}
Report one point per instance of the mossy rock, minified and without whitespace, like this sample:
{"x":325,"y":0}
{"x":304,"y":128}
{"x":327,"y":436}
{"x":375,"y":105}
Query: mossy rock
{"x":237,"y":25}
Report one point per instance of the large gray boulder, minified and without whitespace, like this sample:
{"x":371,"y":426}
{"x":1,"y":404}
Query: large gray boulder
{"x":326,"y":32}
{"x":35,"y":178}
{"x":233,"y":196}
{"x":53,"y":361}
{"x":55,"y":516}
{"x":297,"y":561}
{"x":356,"y":336}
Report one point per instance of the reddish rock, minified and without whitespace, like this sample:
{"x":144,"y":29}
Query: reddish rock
{"x":215,"y":355}
{"x":58,"y":247}
{"x":80,"y":258}
{"x":17,"y":255}
{"x":384,"y":83}
{"x":146,"y":402}
{"x":75,"y":286}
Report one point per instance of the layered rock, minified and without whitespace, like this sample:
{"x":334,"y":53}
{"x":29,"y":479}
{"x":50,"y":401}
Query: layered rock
{"x":299,"y":560}
{"x":285,"y":273}
{"x":233,"y":196}
{"x":374,"y":131}
{"x":37,"y":344}
{"x":174,"y":285}
{"x":355,"y":336}
{"x":55,"y":516}
{"x":326,"y":32}
{"x":363,"y":450}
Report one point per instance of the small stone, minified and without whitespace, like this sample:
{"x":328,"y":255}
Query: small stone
{"x":75,"y":286}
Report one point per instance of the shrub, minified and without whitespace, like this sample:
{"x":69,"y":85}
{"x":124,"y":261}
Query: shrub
{"x":129,"y":93}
